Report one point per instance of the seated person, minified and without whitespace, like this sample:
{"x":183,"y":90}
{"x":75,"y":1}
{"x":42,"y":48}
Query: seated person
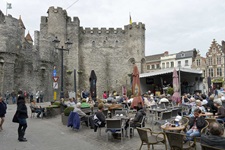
{"x":84,"y":104}
{"x":149,"y":101}
{"x":83,"y":116}
{"x":185,"y":99}
{"x":99,"y":117}
{"x":71,"y":103}
{"x":36,"y":108}
{"x":215,"y":137}
{"x":91,"y":102}
{"x":220,"y":115}
{"x":197,"y":122}
{"x":210,"y":105}
{"x":198,"y":105}
{"x":114,"y":105}
{"x":163,"y":99}
{"x":135,"y":122}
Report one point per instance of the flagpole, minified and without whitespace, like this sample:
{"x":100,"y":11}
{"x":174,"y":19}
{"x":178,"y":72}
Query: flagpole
{"x":6,"y":8}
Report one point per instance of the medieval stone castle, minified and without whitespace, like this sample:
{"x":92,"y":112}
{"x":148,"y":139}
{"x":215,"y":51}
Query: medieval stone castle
{"x":28,"y":65}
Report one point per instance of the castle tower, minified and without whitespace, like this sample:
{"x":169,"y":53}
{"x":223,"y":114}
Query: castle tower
{"x":135,"y":35}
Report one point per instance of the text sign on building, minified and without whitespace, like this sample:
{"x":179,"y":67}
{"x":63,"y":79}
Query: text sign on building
{"x":55,"y":85}
{"x":55,"y":78}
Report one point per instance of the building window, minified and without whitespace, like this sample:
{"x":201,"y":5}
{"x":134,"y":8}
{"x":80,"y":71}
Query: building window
{"x":210,"y":72}
{"x":179,"y":64}
{"x":153,"y":66}
{"x":198,"y":62}
{"x":157,"y":66}
{"x":219,"y":72}
{"x":171,"y":64}
{"x":167,"y":65}
{"x":163,"y":65}
{"x":218,"y":60}
{"x":210,"y":61}
{"x":182,"y":55}
{"x":186,"y":62}
{"x":148,"y":67}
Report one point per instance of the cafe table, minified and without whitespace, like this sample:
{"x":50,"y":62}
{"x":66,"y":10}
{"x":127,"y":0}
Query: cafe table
{"x":172,"y":128}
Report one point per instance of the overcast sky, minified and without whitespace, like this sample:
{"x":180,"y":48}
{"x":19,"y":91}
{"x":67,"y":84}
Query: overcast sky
{"x":171,"y":25}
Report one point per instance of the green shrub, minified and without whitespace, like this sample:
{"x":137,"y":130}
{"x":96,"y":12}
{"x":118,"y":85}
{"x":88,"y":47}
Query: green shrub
{"x":68,"y":110}
{"x":56,"y":103}
{"x":129,"y":93}
{"x":170,"y":91}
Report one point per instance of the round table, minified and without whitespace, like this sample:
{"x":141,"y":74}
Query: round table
{"x":170,"y":128}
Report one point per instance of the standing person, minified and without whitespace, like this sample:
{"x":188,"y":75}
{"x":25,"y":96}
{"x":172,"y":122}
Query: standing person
{"x":31,"y":96}
{"x":22,"y":116}
{"x":13,"y":94}
{"x":3,"y":108}
{"x":37,"y":97}
{"x":104,"y":96}
{"x":41,"y":97}
{"x":7,"y":96}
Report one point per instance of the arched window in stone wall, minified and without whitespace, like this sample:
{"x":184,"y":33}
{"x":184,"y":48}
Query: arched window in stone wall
{"x":131,"y":63}
{"x":143,"y":64}
{"x":93,"y":43}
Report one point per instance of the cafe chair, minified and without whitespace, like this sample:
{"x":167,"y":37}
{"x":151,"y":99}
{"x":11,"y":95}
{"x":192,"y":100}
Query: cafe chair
{"x":166,"y":104}
{"x":165,"y":116}
{"x":115,"y":126}
{"x":210,"y":120}
{"x":207,"y":147}
{"x":203,"y":131}
{"x":174,"y":113}
{"x":33,"y":112}
{"x":161,"y":106}
{"x":176,"y":141}
{"x":148,"y":137}
{"x":138,"y":124}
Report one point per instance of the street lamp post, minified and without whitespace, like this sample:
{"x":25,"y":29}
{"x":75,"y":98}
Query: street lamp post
{"x":62,"y":49}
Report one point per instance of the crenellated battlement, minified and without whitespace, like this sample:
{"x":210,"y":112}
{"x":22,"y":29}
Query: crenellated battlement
{"x":135,"y":25}
{"x":102,"y":31}
{"x":58,"y":10}
{"x":2,"y":17}
{"x":44,"y":19}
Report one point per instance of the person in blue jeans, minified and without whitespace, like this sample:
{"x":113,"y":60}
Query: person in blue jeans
{"x":197,"y":122}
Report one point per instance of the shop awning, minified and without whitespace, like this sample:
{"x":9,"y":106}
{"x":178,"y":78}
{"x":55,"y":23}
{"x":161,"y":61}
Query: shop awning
{"x":169,"y":70}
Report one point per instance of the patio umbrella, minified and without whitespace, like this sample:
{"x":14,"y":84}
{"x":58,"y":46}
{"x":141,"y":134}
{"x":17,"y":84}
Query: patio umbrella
{"x":209,"y":84}
{"x":136,"y":89}
{"x":176,"y":87}
{"x":93,"y":80}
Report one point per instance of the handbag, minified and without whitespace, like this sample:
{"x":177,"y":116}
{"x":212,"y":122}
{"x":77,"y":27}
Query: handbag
{"x":15,"y":118}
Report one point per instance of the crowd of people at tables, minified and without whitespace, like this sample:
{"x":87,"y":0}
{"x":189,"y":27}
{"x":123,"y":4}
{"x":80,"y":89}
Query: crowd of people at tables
{"x":198,"y":103}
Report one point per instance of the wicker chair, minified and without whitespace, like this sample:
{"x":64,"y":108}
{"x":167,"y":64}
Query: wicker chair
{"x":176,"y":141}
{"x":207,"y":147}
{"x":210,"y":120}
{"x":152,"y":139}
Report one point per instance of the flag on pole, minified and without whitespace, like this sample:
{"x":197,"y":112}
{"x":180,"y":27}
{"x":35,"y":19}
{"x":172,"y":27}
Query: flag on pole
{"x":9,"y":6}
{"x":130,"y":20}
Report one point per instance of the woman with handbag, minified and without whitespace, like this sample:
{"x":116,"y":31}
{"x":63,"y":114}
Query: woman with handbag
{"x":3,"y":108}
{"x":22,"y":116}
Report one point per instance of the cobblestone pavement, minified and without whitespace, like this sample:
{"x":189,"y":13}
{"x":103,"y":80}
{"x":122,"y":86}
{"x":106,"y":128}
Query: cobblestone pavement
{"x":50,"y":134}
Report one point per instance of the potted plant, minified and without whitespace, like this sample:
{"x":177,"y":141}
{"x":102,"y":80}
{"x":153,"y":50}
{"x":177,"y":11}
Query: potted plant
{"x":65,"y":115}
{"x":79,"y":71}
